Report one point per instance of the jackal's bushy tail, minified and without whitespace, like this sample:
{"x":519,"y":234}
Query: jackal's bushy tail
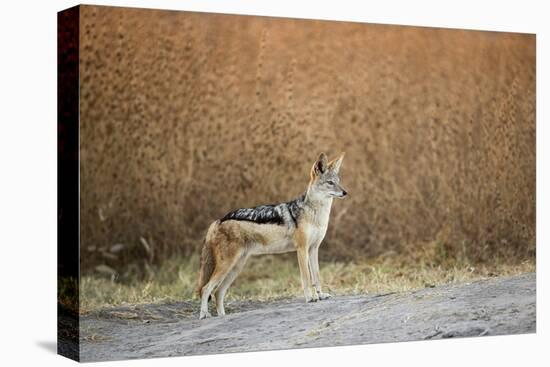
{"x":207,"y":259}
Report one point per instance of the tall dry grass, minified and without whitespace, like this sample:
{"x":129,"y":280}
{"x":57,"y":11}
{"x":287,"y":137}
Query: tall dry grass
{"x":185,"y":116}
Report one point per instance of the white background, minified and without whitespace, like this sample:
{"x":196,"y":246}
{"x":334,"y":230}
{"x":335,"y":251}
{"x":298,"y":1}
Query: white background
{"x":28,"y":180}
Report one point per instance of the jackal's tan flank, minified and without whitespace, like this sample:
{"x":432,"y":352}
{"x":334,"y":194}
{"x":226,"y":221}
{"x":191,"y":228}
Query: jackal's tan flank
{"x":298,"y":225}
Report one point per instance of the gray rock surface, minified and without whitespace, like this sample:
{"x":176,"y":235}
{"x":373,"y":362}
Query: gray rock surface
{"x":489,"y":307}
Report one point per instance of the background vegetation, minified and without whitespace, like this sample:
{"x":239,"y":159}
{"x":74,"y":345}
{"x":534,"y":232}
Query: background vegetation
{"x":185,"y":116}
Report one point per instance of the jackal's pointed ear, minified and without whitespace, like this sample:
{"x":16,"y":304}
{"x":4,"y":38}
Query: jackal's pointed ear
{"x":320,"y":166}
{"x":335,"y":164}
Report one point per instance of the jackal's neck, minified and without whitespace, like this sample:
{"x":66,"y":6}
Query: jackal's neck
{"x":317,"y":207}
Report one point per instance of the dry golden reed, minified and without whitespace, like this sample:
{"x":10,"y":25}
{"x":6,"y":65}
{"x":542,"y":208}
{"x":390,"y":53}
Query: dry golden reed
{"x":185,"y":116}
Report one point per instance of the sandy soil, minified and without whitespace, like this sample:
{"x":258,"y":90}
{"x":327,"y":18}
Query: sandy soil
{"x":489,"y":307}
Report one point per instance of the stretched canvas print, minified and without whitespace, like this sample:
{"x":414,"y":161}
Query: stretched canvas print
{"x":234,"y":183}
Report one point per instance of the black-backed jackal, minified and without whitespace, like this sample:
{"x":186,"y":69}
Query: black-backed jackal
{"x":298,"y":225}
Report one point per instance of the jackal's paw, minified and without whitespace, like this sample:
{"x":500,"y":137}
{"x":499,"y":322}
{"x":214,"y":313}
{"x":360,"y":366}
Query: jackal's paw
{"x":323,"y":296}
{"x":312,"y":299}
{"x":204,"y":315}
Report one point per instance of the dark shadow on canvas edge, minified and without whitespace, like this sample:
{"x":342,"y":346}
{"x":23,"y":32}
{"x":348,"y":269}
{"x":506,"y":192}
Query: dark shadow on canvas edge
{"x":48,"y":345}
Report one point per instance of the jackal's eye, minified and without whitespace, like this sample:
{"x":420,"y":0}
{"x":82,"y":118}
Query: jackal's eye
{"x":331,"y":183}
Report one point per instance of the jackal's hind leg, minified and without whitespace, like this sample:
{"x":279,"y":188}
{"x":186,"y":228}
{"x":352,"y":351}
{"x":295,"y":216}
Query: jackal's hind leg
{"x":226,"y":283}
{"x":217,"y":278}
{"x":224,"y":265}
{"x":206,"y":291}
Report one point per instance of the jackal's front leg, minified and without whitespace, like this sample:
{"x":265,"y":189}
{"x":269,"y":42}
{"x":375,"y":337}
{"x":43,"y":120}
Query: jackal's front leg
{"x":303,"y":262}
{"x":315,"y":276}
